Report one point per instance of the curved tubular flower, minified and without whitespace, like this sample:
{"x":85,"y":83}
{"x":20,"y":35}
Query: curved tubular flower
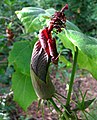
{"x":44,"y":52}
{"x":40,"y":61}
{"x":39,"y":72}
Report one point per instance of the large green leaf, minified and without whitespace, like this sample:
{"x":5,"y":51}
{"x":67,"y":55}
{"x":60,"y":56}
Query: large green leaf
{"x":86,"y":44}
{"x":87,"y":63}
{"x":34,"y":18}
{"x":28,"y":17}
{"x":87,"y":56}
{"x":20,"y":56}
{"x":71,"y":26}
{"x":67,"y":43}
{"x":23,"y":91}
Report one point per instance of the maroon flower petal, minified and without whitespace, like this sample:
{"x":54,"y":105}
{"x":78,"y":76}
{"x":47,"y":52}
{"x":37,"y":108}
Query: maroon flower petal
{"x":43,"y":37}
{"x":40,"y":61}
{"x":53,"y":50}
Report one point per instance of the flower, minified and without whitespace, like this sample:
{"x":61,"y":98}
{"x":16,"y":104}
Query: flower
{"x":44,"y":52}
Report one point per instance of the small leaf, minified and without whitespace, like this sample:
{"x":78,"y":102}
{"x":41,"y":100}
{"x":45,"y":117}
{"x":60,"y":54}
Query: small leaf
{"x":65,"y":61}
{"x":83,"y":105}
{"x":88,"y":103}
{"x":23,"y":91}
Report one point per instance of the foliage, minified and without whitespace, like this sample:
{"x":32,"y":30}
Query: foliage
{"x":87,"y":49}
{"x":71,"y":37}
{"x":80,"y":40}
{"x":82,"y":13}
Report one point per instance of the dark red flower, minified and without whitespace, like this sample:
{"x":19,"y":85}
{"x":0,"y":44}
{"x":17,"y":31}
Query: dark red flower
{"x":45,"y":49}
{"x":48,"y":44}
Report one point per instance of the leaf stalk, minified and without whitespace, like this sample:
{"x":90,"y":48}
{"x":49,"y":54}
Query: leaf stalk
{"x":72,"y":77}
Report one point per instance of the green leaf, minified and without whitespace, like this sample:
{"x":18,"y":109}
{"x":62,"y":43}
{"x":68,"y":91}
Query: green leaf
{"x":20,"y":56}
{"x":87,"y":63}
{"x":65,"y":61}
{"x":31,"y":17}
{"x":83,"y":105}
{"x":66,"y":42}
{"x":86,"y":44}
{"x":88,"y":103}
{"x":23,"y":91}
{"x":71,"y":26}
{"x":87,"y":56}
{"x":50,"y":11}
{"x":32,"y":12}
{"x":28,"y":17}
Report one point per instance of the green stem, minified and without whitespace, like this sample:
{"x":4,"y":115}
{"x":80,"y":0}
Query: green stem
{"x":85,"y":115}
{"x":58,"y":94}
{"x":54,"y":105}
{"x":72,"y":78}
{"x":58,"y":110}
{"x":65,"y":116}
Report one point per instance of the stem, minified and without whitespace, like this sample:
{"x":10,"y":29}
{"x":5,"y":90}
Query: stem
{"x":72,"y":78}
{"x":91,"y":115}
{"x":85,"y":115}
{"x":54,"y":105}
{"x":65,"y":112}
{"x":58,"y":94}
{"x":57,"y":109}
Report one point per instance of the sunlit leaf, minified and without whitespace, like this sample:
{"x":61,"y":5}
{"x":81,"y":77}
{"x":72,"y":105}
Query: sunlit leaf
{"x":20,"y":57}
{"x":87,"y":56}
{"x":86,"y":44}
{"x":28,"y":17}
{"x":31,"y":17}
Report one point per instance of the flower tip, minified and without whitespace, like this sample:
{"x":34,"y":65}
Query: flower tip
{"x":64,"y":8}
